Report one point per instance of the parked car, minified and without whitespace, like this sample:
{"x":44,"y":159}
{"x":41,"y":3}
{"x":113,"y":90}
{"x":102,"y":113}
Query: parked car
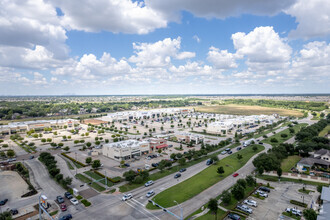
{"x":234,"y":216}
{"x":261,"y":143}
{"x":250,"y":202}
{"x":244,"y":208}
{"x":265,"y":189}
{"x":261,"y":193}
{"x":155,"y":164}
{"x":63,"y":207}
{"x":31,"y":157}
{"x":177,"y":175}
{"x":239,"y":148}
{"x":230,"y":152}
{"x":235,"y":174}
{"x":66,"y":217}
{"x":74,"y":201}
{"x":182,"y":170}
{"x":294,"y":211}
{"x":59,"y":199}
{"x":14,"y":211}
{"x":149,"y":183}
{"x":150,"y":193}
{"x":68,"y":195}
{"x":223,"y":152}
{"x":209,"y":162}
{"x":3,"y":202}
{"x":228,"y":149}
{"x":126,"y":165}
{"x":127,"y":197}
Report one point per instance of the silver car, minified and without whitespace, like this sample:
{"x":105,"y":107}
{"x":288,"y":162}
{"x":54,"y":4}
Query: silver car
{"x":150,"y":193}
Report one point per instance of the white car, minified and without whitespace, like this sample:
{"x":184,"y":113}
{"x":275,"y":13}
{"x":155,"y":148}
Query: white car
{"x":244,"y":208}
{"x":150,"y":193}
{"x":261,"y":193}
{"x":74,"y":201}
{"x":223,"y":152}
{"x":250,"y":202}
{"x":149,"y":183}
{"x":294,"y":211}
{"x":127,"y":197}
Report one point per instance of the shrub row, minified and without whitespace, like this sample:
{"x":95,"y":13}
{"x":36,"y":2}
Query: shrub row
{"x":74,"y":160}
{"x":86,"y":202}
{"x":116,"y":179}
{"x":295,"y":202}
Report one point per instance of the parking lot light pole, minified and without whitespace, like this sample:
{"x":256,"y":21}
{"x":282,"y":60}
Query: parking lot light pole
{"x":181,"y":210}
{"x":303,"y":199}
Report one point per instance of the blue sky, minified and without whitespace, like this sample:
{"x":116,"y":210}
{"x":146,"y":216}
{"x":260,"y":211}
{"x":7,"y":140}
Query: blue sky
{"x":164,"y":47}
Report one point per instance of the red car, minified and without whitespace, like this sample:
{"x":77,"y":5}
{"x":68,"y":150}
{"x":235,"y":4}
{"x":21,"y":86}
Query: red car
{"x":63,"y":207}
{"x":235,"y":174}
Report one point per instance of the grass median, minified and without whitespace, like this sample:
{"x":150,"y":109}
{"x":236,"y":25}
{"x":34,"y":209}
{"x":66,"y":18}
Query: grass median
{"x":158,"y":175}
{"x":88,"y":180}
{"x":204,"y":179}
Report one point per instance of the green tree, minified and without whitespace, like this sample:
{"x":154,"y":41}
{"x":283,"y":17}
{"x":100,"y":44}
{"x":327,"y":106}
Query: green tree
{"x":129,"y":176}
{"x":220,"y":170}
{"x":96,"y":164}
{"x":279,"y":172}
{"x":238,"y":191}
{"x":88,"y":160}
{"x":215,"y":159}
{"x":254,"y":148}
{"x":239,"y":157}
{"x":226,"y":197}
{"x":310,"y":214}
{"x":182,"y":161}
{"x":260,"y":170}
{"x":250,"y":180}
{"x":213,"y":206}
{"x":88,"y":144}
{"x":10,"y":153}
{"x":66,"y":148}
{"x":144,"y":174}
{"x":319,"y":188}
{"x":242,"y":182}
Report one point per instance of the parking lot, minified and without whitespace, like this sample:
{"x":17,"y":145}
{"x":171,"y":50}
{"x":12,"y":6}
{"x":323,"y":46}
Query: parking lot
{"x":279,"y":199}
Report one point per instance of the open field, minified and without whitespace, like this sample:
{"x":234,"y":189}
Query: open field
{"x":233,"y":109}
{"x":325,"y":131}
{"x":289,"y":162}
{"x":203,"y":180}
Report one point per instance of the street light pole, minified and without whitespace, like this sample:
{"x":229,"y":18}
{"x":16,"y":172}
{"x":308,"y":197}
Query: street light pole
{"x":76,"y":160}
{"x":181,"y":210}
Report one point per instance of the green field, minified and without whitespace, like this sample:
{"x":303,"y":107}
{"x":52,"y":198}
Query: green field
{"x":234,"y":109}
{"x":98,"y":177}
{"x":88,"y":180}
{"x":203,"y":180}
{"x":286,"y":131}
{"x":289,"y":162}
{"x":325,"y":131}
{"x":158,"y":175}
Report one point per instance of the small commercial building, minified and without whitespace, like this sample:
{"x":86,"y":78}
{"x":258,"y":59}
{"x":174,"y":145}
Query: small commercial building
{"x":188,"y":137}
{"x":325,"y":208}
{"x":125,"y":150}
{"x":157,"y":143}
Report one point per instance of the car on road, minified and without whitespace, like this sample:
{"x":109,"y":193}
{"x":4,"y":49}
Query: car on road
{"x":155,"y":164}
{"x":59,"y":199}
{"x":239,"y":148}
{"x":182,"y":170}
{"x":234,"y":216}
{"x":31,"y":157}
{"x":209,"y":162}
{"x":3,"y":202}
{"x":127,"y":197}
{"x":223,"y":152}
{"x":177,"y":175}
{"x":235,"y":174}
{"x":244,"y":208}
{"x":150,"y":193}
{"x":74,"y":201}
{"x":14,"y":211}
{"x":149,"y":183}
{"x":126,"y":165}
{"x":260,"y":143}
{"x":250,"y":202}
{"x":261,"y":193}
{"x":66,"y":217}
{"x":63,"y":207}
{"x":265,"y":189}
{"x":230,"y":152}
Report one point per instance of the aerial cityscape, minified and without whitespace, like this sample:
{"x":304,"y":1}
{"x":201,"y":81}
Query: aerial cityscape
{"x":176,"y":109}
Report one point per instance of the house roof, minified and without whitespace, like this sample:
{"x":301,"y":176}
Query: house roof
{"x":311,"y":161}
{"x":323,"y":152}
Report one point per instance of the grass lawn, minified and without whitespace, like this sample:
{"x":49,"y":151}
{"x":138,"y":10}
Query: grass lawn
{"x":77,"y":165}
{"x":233,"y":109}
{"x":233,"y":202}
{"x":69,"y":165}
{"x":286,"y":131}
{"x":203,"y":180}
{"x":306,"y":191}
{"x":289,"y":162}
{"x":98,"y":177}
{"x":158,"y":175}
{"x":220,"y":215}
{"x":88,"y":180}
{"x":325,"y":131}
{"x":284,"y":179}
